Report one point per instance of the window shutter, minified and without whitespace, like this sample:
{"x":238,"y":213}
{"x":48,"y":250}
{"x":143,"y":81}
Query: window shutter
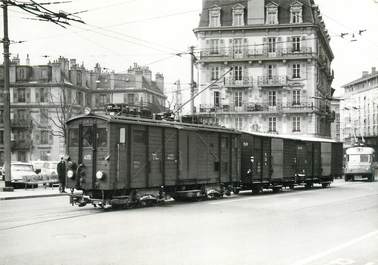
{"x":221,"y":45}
{"x":289,"y":44}
{"x":15,"y":99}
{"x":246,"y":47}
{"x":245,"y":73}
{"x":279,"y":45}
{"x":303,"y":71}
{"x":303,"y":43}
{"x":275,"y":70}
{"x":27,"y":96}
{"x":37,"y":99}
{"x":265,"y":45}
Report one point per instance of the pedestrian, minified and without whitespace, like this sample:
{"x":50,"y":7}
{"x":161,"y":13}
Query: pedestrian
{"x":61,"y":169}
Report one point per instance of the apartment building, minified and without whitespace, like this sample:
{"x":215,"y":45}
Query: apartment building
{"x":359,"y":109}
{"x":43,"y":97}
{"x":265,"y":66}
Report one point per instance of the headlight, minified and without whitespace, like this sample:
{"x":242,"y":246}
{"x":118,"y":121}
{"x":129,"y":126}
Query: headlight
{"x":99,"y":175}
{"x":70,"y":174}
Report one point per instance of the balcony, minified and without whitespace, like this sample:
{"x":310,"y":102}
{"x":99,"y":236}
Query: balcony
{"x":22,"y":123}
{"x":245,"y":82}
{"x":258,"y":108}
{"x":21,"y":145}
{"x":247,"y":54}
{"x":272,"y":81}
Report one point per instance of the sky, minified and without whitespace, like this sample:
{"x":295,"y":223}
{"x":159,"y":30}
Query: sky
{"x":151,"y":32}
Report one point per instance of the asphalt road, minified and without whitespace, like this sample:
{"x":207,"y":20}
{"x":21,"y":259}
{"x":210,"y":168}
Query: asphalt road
{"x":336,"y":226}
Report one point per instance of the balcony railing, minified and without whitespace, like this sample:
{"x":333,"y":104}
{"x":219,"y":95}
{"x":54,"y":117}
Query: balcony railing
{"x":19,"y":145}
{"x":247,"y":107}
{"x":276,"y":80}
{"x":244,"y":82}
{"x":254,"y":53}
{"x":21,"y":123}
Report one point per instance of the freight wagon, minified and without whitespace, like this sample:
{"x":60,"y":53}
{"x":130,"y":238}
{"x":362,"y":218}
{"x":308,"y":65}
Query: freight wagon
{"x":270,"y":162}
{"x":123,"y":161}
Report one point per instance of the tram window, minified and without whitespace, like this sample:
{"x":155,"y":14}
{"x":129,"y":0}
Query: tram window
{"x":364,"y":158}
{"x":87,"y":136}
{"x":73,"y":137}
{"x":101,"y":137}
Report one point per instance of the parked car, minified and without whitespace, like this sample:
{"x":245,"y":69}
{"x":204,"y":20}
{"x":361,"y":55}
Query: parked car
{"x":23,"y":175}
{"x":47,"y":170}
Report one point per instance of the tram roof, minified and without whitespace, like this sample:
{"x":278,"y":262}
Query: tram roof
{"x":151,"y":122}
{"x":294,"y":137}
{"x":360,"y":150}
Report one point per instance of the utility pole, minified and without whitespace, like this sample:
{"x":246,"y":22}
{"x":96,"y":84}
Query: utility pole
{"x":192,"y":83}
{"x":6,"y":97}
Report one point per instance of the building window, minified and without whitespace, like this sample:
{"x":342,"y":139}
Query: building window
{"x":238,"y":46}
{"x":238,"y":15}
{"x":44,"y":137}
{"x":131,"y":99}
{"x":1,"y":158}
{"x":238,"y":99}
{"x":296,"y":44}
{"x":216,"y":99}
{"x":1,"y":116}
{"x":238,"y":123}
{"x":44,"y":116}
{"x":270,"y":71}
{"x":21,"y":95}
{"x":272,"y":98}
{"x":1,"y":137}
{"x":296,"y":70}
{"x":214,"y":17}
{"x":272,"y":44}
{"x":272,"y":124}
{"x":238,"y":73}
{"x":296,"y":13}
{"x":215,"y":73}
{"x":296,"y":97}
{"x":272,"y":15}
{"x":214,"y":46}
{"x":296,"y":124}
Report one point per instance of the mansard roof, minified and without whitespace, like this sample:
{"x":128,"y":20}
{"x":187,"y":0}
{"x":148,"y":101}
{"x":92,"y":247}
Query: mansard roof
{"x":228,"y":5}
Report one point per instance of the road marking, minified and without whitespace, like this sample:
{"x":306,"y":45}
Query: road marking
{"x":332,"y":250}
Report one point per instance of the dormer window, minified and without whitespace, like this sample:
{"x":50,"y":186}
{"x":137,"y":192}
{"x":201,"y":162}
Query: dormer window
{"x":296,"y":13}
{"x":214,"y":17}
{"x":238,"y":15}
{"x":272,"y":13}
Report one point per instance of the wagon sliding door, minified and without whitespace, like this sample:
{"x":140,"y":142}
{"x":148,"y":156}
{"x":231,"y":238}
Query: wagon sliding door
{"x":155,"y":146}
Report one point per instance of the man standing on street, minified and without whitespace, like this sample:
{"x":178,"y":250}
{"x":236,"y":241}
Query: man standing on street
{"x":61,"y":169}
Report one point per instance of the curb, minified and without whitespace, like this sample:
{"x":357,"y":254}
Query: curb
{"x":32,"y":196}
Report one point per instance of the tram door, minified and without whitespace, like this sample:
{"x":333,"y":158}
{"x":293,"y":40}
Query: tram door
{"x":87,"y":145}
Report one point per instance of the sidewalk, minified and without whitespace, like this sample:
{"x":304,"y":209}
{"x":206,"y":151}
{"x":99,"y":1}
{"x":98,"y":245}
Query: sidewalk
{"x":39,"y":192}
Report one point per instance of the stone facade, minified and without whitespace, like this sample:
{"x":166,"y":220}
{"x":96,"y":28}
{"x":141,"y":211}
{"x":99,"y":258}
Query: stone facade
{"x":359,"y":109}
{"x":266,"y":66}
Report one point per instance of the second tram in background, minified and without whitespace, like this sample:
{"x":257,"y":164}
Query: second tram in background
{"x":360,"y":164}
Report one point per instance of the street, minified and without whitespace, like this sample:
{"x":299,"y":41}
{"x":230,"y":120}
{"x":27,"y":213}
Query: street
{"x":335,"y":226}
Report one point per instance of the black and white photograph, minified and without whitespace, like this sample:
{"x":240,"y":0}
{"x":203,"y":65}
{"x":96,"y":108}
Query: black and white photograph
{"x":189,"y":132}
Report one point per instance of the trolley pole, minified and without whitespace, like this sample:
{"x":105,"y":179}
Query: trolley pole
{"x":192,"y":83}
{"x":6,"y":97}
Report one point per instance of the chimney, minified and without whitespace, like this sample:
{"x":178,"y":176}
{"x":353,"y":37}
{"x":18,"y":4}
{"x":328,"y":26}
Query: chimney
{"x":72,"y":64}
{"x":27,"y":59}
{"x":159,"y":79}
{"x":373,"y":70}
{"x":365,"y":73}
{"x":256,"y":12}
{"x":147,"y":74}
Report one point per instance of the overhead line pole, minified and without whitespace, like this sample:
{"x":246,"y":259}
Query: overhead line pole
{"x":6,"y":97}
{"x":192,"y":84}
